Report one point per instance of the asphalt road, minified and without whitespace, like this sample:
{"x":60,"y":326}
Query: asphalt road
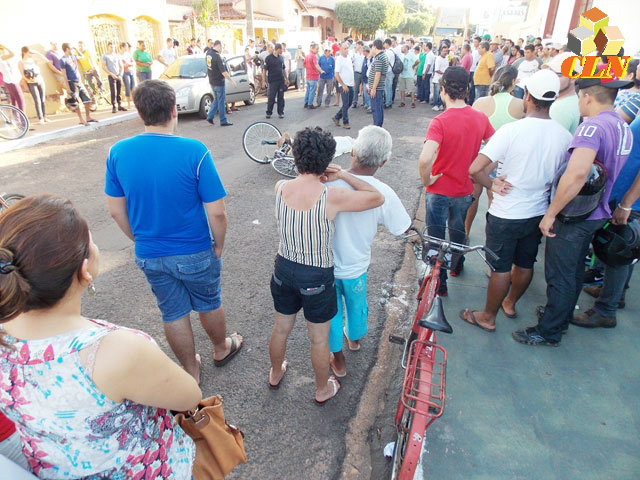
{"x":287,"y":435}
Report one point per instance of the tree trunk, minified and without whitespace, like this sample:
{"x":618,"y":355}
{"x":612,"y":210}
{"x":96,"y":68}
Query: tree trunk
{"x":249,"y":5}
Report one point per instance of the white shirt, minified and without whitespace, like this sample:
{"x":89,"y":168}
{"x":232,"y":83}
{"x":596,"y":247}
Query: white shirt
{"x":526,"y":69}
{"x":168,"y":55}
{"x":286,"y":56}
{"x":358,"y":59}
{"x":391,"y":56}
{"x":530,"y":151}
{"x":475,"y":54}
{"x":429,"y":60}
{"x":355,"y":230}
{"x":9,"y":72}
{"x":442,"y":63}
{"x":345,"y":68}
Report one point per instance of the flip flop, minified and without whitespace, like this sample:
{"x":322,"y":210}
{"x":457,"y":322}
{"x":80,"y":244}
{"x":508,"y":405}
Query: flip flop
{"x":335,"y":371}
{"x":199,"y":361}
{"x":344,"y":330}
{"x":235,"y":348}
{"x":336,"y":387}
{"x":509,"y":315}
{"x":277,"y":385}
{"x":413,"y":105}
{"x":473,"y":321}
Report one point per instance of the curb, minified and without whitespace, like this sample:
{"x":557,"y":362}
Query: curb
{"x":30,"y":141}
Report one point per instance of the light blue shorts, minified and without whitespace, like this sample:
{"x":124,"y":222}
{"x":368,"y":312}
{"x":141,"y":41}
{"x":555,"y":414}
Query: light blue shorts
{"x":182,"y":283}
{"x":354,"y":292}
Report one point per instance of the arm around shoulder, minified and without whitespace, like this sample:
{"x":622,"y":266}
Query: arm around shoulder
{"x":364,"y":196}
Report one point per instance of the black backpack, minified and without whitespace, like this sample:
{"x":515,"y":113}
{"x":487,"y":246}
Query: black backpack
{"x":397,"y":65}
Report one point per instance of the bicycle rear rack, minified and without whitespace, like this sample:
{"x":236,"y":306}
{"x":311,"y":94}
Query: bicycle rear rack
{"x":423,"y":389}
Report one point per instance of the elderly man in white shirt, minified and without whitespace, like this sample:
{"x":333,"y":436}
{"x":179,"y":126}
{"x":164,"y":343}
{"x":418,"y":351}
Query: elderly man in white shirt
{"x":358,"y":60}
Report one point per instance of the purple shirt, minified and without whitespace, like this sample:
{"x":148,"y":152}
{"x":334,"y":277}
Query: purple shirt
{"x":610,"y":137}
{"x":53,"y":58}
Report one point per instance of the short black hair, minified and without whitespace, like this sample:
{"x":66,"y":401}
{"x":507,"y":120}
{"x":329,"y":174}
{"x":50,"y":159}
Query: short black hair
{"x":387,"y":41}
{"x":478,"y":37}
{"x":485,"y":45}
{"x":540,"y":105}
{"x":602,"y":94}
{"x":277,"y":46}
{"x":155,"y":100}
{"x":216,"y":43}
{"x":455,"y":81}
{"x":65,"y":45}
{"x":530,"y":47}
{"x":313,"y":150}
{"x":429,"y":45}
{"x":378,"y":44}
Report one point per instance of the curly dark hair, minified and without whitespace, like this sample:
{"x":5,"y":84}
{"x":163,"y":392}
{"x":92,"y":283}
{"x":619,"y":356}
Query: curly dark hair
{"x":313,"y":150}
{"x":455,"y":81}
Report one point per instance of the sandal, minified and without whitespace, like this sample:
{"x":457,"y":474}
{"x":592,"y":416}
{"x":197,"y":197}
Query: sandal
{"x":336,"y":387}
{"x":235,"y":348}
{"x":473,"y":320}
{"x":509,"y":315}
{"x":413,"y":105}
{"x":349,"y":342}
{"x":335,"y":370}
{"x":403,"y":104}
{"x":284,"y":371}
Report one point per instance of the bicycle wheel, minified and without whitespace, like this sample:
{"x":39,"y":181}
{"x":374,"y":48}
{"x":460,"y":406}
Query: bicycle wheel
{"x":260,"y":141}
{"x":285,"y":166}
{"x":399,"y":448}
{"x":8,"y":199}
{"x":13,"y":122}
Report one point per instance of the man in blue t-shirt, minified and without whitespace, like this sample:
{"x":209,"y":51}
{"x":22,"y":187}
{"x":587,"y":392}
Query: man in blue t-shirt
{"x":328,"y":64}
{"x":165,"y":194}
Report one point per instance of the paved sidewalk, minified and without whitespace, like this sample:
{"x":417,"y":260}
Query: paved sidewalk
{"x":64,"y":125}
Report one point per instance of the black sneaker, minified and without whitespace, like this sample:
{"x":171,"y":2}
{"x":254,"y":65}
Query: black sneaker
{"x":280,"y":116}
{"x":530,"y":336}
{"x":306,"y":106}
{"x":312,"y":107}
{"x":268,"y":116}
{"x":593,"y":277}
{"x":588,"y":258}
{"x":443,"y":291}
{"x":540,"y":313}
{"x":210,"y":120}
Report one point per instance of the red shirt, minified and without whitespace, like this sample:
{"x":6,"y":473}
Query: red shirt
{"x":6,"y":427}
{"x":335,"y":48}
{"x":310,"y":62}
{"x":459,"y":132}
{"x":466,"y":62}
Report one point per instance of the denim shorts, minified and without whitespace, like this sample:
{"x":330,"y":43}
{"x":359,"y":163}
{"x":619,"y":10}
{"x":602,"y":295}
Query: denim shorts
{"x":295,"y":286}
{"x":514,"y":241}
{"x":182,"y":283}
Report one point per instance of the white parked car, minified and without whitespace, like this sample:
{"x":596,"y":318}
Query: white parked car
{"x":188,"y":77}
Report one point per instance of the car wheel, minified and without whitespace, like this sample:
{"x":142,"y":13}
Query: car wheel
{"x":252,"y":96}
{"x":205,"y":105}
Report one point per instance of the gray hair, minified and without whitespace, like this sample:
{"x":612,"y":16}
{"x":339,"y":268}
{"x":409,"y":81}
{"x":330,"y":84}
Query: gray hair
{"x":372,"y":147}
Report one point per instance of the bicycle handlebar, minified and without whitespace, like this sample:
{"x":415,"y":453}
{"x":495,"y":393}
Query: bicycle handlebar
{"x":449,"y":246}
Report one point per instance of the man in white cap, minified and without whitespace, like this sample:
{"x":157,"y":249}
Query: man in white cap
{"x":529,"y":153}
{"x":565,"y":109}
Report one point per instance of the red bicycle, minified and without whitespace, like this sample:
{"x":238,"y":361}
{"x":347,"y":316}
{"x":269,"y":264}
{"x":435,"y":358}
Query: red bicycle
{"x":422,"y":398}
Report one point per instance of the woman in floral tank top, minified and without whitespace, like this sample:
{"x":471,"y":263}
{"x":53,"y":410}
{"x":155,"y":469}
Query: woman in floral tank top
{"x":89,"y":399}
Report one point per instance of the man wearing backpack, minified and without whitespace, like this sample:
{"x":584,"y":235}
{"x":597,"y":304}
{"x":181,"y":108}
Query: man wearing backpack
{"x":395,"y":67}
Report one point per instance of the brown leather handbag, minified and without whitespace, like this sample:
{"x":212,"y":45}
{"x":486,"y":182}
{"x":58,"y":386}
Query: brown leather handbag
{"x":219,"y":446}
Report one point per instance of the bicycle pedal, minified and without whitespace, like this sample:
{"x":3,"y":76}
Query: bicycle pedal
{"x":433,"y":410}
{"x":397,"y":339}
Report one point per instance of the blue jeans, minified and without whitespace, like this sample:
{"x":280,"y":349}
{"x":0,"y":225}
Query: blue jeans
{"x":451,"y":212}
{"x":377,"y":108}
{"x":482,"y":91}
{"x":437,"y":100}
{"x":300,"y":73}
{"x":564,"y":272}
{"x":129,"y":83}
{"x":472,"y":89}
{"x":366,"y":97}
{"x":354,"y":292}
{"x":310,"y":94}
{"x":182,"y":283}
{"x":218,"y":104}
{"x":142,"y":76}
{"x":357,"y":81}
{"x":388,"y":89}
{"x":421,"y":88}
{"x":347,"y":99}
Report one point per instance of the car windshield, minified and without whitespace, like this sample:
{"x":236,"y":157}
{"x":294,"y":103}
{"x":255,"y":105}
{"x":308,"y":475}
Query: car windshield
{"x":187,"y":67}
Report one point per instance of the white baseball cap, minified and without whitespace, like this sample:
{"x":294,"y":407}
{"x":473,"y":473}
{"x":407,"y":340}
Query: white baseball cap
{"x":543,"y":85}
{"x":555,"y":64}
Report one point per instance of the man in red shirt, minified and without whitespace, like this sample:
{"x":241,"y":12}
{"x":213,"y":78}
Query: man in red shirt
{"x":445,"y":159}
{"x":312,"y":70}
{"x":467,"y":58}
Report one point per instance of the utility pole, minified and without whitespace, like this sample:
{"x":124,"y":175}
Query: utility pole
{"x":249,"y":4}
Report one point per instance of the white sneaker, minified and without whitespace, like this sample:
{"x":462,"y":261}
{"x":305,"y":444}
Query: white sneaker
{"x":435,"y":109}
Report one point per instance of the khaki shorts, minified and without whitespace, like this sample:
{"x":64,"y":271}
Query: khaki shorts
{"x":406,"y":84}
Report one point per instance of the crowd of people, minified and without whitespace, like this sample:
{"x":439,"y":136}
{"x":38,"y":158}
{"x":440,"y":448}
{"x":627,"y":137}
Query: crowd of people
{"x":558,"y":157}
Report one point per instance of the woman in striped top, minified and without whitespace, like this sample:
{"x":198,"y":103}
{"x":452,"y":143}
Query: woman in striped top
{"x":303,"y":271}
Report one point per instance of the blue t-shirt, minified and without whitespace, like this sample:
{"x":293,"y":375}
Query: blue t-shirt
{"x":70,"y":64}
{"x":165,"y":179}
{"x":630,"y":169}
{"x":328,"y":65}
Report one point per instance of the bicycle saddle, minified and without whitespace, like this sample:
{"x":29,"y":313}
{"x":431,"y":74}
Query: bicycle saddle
{"x":435,"y":319}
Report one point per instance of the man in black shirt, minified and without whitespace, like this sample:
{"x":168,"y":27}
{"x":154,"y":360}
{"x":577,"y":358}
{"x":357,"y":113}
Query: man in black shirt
{"x":217,"y":71}
{"x":278,"y":83}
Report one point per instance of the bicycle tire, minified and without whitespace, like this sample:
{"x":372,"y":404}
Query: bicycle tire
{"x":14,"y":123}
{"x":9,"y":199}
{"x":402,"y":433}
{"x":285,"y":166}
{"x":254,"y":141}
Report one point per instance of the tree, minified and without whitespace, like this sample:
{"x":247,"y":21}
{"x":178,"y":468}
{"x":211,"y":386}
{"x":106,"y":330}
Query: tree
{"x":204,"y":11}
{"x":393,"y":15}
{"x":365,"y":17}
{"x":414,"y":6}
{"x":415,"y":25}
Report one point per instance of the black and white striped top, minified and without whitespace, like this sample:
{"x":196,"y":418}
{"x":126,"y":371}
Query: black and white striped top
{"x":305,"y":236}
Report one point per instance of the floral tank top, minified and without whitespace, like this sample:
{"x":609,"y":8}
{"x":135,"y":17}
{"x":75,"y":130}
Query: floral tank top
{"x":70,"y":429}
